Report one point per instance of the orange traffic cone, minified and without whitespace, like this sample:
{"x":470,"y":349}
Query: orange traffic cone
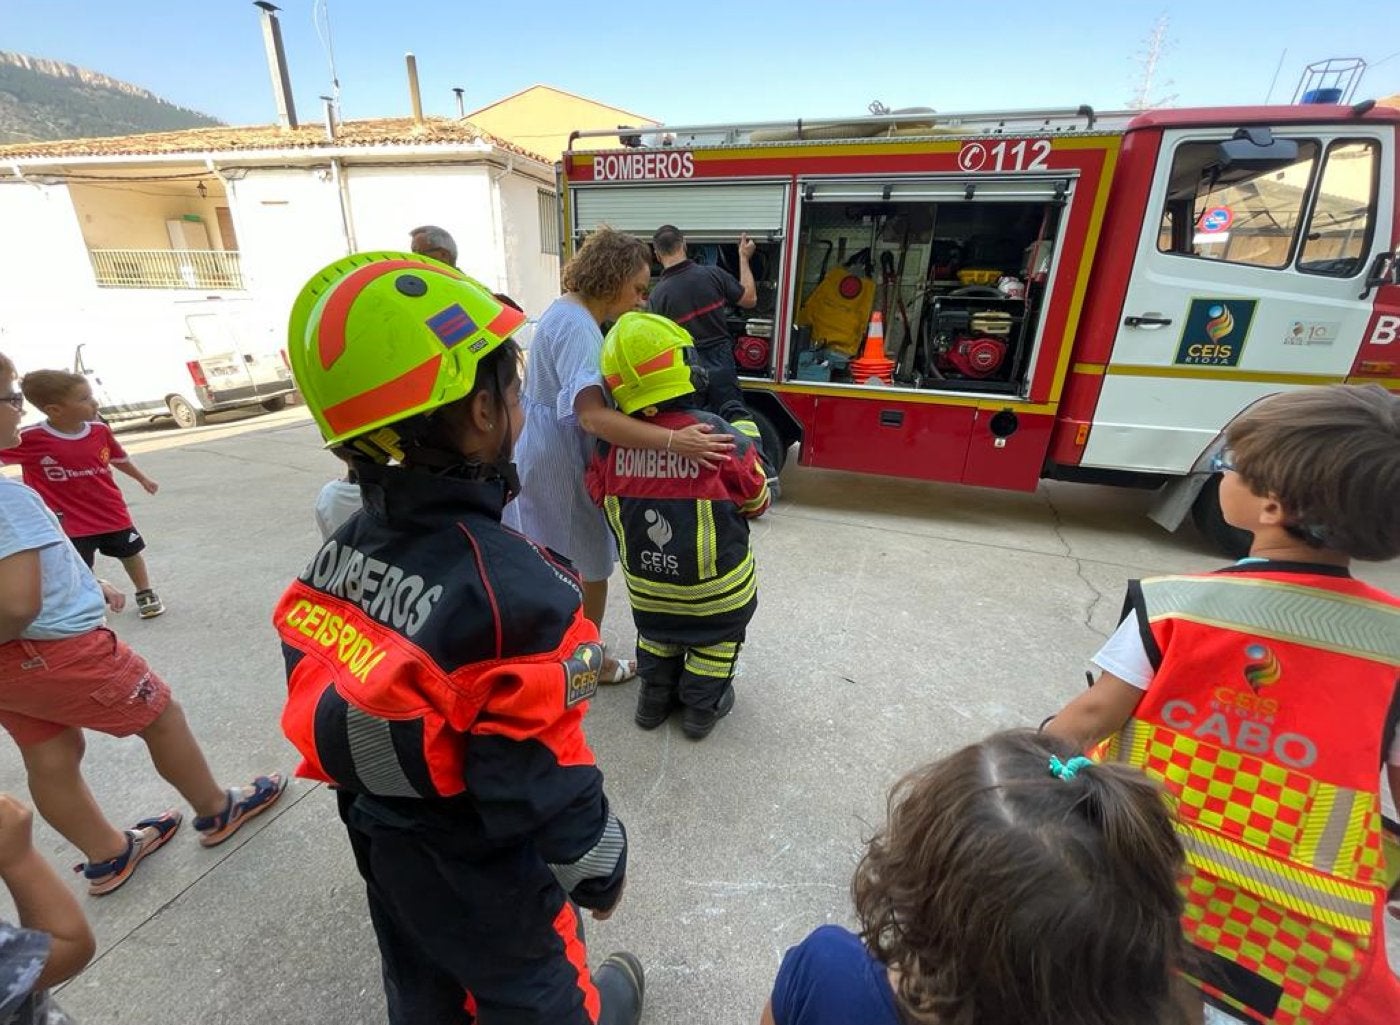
{"x":873,"y":366}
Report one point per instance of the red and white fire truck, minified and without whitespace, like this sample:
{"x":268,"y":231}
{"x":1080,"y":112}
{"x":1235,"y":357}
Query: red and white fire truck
{"x":1064,"y":295}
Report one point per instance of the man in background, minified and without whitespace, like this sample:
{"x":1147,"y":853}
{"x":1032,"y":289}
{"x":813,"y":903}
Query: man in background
{"x":695,"y":297}
{"x":430,"y":240}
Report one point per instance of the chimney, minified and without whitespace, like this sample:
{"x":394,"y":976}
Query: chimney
{"x":329,"y":103}
{"x":277,"y":65}
{"x":459,"y":92}
{"x":413,"y":95}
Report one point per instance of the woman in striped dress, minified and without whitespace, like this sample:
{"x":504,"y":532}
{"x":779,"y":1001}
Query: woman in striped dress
{"x":567,"y":407}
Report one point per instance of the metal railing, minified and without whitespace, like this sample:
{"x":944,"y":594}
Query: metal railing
{"x":167,"y":268}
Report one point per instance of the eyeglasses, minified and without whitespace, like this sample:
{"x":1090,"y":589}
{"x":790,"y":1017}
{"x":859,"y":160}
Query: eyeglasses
{"x":15,"y":400}
{"x":1222,"y":462}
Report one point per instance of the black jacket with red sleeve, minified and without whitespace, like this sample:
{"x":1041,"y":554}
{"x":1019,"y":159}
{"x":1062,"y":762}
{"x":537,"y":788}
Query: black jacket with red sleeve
{"x":435,"y":656}
{"x":682,"y":532}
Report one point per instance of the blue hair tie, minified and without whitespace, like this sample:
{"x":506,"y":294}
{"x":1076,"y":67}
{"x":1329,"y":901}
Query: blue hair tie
{"x":1068,"y":770}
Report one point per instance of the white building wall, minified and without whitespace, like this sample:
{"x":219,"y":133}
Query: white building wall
{"x":389,"y":202}
{"x":46,"y":280}
{"x":289,"y":226}
{"x":533,"y":274}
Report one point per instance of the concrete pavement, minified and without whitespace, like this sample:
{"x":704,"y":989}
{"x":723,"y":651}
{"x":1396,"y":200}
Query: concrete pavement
{"x":898,"y":620}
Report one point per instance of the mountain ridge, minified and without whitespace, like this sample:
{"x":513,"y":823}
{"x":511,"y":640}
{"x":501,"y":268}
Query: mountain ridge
{"x":43,"y":99}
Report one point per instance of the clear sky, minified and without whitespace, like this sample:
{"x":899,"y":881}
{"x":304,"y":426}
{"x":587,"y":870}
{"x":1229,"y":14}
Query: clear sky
{"x":711,"y":61}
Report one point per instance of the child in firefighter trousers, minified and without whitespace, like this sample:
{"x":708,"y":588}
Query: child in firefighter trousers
{"x":439,"y":665}
{"x":682,"y":529}
{"x":1264,"y":696}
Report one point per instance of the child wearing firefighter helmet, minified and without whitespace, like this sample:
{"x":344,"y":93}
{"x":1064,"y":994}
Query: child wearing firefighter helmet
{"x":681,"y":527}
{"x":439,"y":666}
{"x":1265,"y":697}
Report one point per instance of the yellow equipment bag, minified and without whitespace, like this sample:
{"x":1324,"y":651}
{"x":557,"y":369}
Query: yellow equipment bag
{"x":838,"y":310}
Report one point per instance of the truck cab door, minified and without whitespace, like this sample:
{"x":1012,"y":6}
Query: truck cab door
{"x":1247,"y":280}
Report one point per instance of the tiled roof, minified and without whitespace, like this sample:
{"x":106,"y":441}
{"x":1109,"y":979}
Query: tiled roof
{"x":387,"y":131}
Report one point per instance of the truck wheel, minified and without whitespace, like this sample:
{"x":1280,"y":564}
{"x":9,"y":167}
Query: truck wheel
{"x":774,"y":451}
{"x":184,"y":414}
{"x":275,"y":403}
{"x":1210,"y":521}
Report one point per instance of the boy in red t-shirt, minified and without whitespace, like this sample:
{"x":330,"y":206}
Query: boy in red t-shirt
{"x":69,"y":460}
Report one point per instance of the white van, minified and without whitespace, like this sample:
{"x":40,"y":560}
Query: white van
{"x":226,"y":359}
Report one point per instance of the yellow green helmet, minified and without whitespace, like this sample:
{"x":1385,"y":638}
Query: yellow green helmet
{"x":645,"y":361}
{"x":376,"y":338}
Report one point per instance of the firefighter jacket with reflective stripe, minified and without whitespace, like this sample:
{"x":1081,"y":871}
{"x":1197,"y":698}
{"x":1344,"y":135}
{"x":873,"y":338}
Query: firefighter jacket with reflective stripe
{"x":436,"y":657}
{"x":682,"y":532}
{"x":1268,"y":718}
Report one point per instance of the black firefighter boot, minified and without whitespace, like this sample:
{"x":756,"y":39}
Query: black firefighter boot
{"x":698,"y":722}
{"x":621,"y":987}
{"x":655,"y":702}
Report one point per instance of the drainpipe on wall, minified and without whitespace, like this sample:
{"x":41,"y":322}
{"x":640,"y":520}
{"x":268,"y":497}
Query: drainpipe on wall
{"x":347,"y":222}
{"x":235,"y":212}
{"x":498,"y":226}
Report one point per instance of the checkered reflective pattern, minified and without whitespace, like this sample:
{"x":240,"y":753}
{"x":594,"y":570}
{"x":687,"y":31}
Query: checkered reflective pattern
{"x":1235,"y":794}
{"x":1313,"y":964}
{"x":1267,"y":807}
{"x":1368,"y":857}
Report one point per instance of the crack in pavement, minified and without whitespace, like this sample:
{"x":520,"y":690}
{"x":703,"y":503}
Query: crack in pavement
{"x":1058,"y":525}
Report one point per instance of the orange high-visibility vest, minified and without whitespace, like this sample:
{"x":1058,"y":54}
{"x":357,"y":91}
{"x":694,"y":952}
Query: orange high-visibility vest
{"x":1267,"y":719}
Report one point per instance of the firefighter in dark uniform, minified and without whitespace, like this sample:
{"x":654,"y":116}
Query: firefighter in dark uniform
{"x":439,"y":666}
{"x":682,"y":529}
{"x":696,"y":298}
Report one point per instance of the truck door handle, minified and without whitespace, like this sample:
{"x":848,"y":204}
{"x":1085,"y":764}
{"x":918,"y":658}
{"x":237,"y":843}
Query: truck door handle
{"x":1385,"y":269}
{"x":1146,"y":320}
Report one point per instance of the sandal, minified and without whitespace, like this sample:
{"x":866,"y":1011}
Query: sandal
{"x":142,"y":839}
{"x":624,"y":669}
{"x":242,"y":806}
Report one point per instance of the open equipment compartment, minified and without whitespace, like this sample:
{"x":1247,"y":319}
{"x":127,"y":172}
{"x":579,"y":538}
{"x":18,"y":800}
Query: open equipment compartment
{"x":711,"y":217}
{"x":958,"y":268}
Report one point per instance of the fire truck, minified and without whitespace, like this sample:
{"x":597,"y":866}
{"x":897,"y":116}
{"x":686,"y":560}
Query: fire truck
{"x":1063,"y":294}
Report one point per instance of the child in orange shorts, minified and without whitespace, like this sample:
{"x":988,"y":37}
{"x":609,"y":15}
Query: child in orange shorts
{"x":62,"y":671}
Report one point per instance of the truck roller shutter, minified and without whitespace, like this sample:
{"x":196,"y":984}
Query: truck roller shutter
{"x":702,"y":212}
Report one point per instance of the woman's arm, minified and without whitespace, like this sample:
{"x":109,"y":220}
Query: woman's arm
{"x":602,"y":421}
